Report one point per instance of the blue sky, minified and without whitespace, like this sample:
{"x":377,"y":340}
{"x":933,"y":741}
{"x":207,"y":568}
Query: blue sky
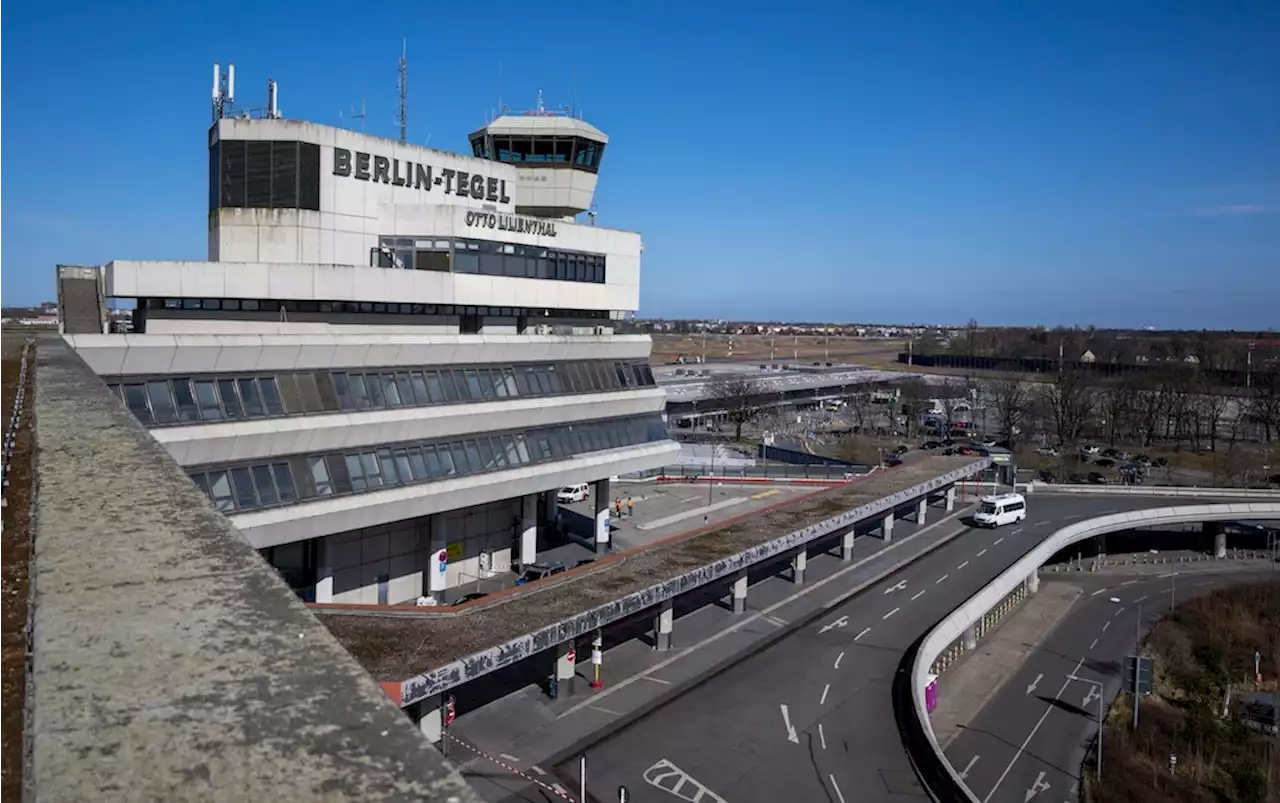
{"x":1020,"y":162}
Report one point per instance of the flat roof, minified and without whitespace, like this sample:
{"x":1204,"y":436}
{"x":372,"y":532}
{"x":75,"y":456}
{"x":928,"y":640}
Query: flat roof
{"x":399,"y":646}
{"x":689,"y":388}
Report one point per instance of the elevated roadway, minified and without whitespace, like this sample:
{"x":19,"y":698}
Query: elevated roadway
{"x":811,"y":717}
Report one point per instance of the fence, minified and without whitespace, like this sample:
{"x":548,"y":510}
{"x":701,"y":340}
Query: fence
{"x":781,"y":471}
{"x":10,"y":434}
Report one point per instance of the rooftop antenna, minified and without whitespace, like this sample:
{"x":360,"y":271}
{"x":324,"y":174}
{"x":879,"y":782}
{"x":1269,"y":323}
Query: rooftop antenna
{"x":353,"y":115}
{"x":224,"y":90}
{"x":540,"y":107}
{"x":273,"y":100}
{"x":404,"y":90}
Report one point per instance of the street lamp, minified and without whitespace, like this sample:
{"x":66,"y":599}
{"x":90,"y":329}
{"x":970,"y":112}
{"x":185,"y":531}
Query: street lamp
{"x":1097,"y":684}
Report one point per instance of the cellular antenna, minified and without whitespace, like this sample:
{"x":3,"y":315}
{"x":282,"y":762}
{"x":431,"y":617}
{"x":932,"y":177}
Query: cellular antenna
{"x":404,"y":91}
{"x":354,"y":115}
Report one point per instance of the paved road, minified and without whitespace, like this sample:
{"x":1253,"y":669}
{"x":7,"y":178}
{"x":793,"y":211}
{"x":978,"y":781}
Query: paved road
{"x":731,"y":738}
{"x":1027,"y":744}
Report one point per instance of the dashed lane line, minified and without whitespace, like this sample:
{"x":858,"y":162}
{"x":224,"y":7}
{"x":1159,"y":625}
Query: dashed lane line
{"x":940,"y":579}
{"x":918,"y":595}
{"x":825,"y":690}
{"x":890,"y":613}
{"x":1094,"y":644}
{"x":822,"y":736}
{"x":864,"y":632}
{"x":983,"y":552}
{"x":836,"y":787}
{"x":962,"y":565}
{"x":839,"y":658}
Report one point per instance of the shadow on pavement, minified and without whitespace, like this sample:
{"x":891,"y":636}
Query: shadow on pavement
{"x":1063,"y":705}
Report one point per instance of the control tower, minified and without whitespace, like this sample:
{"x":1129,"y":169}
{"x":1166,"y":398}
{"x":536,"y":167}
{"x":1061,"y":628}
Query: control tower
{"x":556,"y":157}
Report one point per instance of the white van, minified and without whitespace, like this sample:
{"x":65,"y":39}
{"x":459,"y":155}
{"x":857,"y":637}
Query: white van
{"x":574,"y":493}
{"x":995,"y":511}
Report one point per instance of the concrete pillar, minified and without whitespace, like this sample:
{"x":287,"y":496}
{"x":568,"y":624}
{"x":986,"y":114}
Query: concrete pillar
{"x":528,"y":529}
{"x":971,"y":637}
{"x":600,"y":492}
{"x":1033,"y":583}
{"x":431,"y":719}
{"x":846,"y":546}
{"x":437,"y":580}
{"x":798,"y":564}
{"x":886,"y":528}
{"x":740,"y":593}
{"x":1215,"y":528}
{"x":663,"y":624}
{"x":566,"y":668}
{"x":922,"y":510}
{"x":951,"y":498}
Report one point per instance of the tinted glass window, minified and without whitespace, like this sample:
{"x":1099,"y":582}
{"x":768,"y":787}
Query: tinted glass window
{"x":249,"y":395}
{"x":161,"y":404}
{"x":186,"y":400}
{"x":230,"y":401}
{"x":270,"y":396}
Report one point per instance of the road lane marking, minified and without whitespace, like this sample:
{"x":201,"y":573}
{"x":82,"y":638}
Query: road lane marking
{"x":1032,"y":687}
{"x":1031,"y":735}
{"x":537,"y":769}
{"x":1096,"y":593}
{"x":509,"y":757}
{"x":890,"y":613}
{"x":608,"y":711}
{"x":1105,"y":625}
{"x":983,"y":552}
{"x":1166,"y":574}
{"x":841,"y":622}
{"x":965,"y":772}
{"x":664,"y":772}
{"x":1117,"y":612}
{"x":1206,"y":583}
{"x":822,"y":737}
{"x":901,"y":584}
{"x":1094,"y":644}
{"x":1128,"y":583}
{"x":864,"y":632}
{"x":918,"y":595}
{"x":1038,"y":524}
{"x":825,"y":689}
{"x":1141,"y":598}
{"x":1001,"y":538}
{"x":962,"y":565}
{"x":839,"y":658}
{"x":652,"y":679}
{"x":765,"y":494}
{"x":836,"y":787}
{"x":940,"y":579}
{"x":1036,"y":788}
{"x":780,"y":622}
{"x":786,"y":720}
{"x":1089,"y":697}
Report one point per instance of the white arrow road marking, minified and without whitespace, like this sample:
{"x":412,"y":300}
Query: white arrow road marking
{"x":890,"y":613}
{"x":825,"y":689}
{"x":1031,"y":735}
{"x":864,"y":632}
{"x":965,"y":772}
{"x":1036,"y":788}
{"x":940,"y":579}
{"x":900,"y":585}
{"x":841,"y":622}
{"x":822,"y":736}
{"x":836,"y":787}
{"x":1089,"y":697}
{"x":670,"y":778}
{"x":1035,"y":683}
{"x":918,"y":595}
{"x":839,"y":658}
{"x":786,"y":720}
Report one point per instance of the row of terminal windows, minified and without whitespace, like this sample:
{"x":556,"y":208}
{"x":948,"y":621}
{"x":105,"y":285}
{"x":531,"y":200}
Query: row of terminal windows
{"x":302,"y":477}
{"x":364,"y":307}
{"x":488,"y":258}
{"x":264,"y":174}
{"x":577,"y":152}
{"x":161,"y":402}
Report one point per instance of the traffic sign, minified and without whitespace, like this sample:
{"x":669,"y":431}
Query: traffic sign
{"x":443,"y":557}
{"x":450,"y":710}
{"x":572,"y":655}
{"x":1146,"y":667}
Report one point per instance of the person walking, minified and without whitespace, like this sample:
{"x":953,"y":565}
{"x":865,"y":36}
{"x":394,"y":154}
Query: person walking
{"x":630,"y":506}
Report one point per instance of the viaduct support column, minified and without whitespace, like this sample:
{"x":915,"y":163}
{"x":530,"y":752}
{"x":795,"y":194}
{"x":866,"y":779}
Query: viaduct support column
{"x":886,"y":528}
{"x":663,"y":624}
{"x":566,"y":668}
{"x":740,"y":593}
{"x":922,"y":509}
{"x":846,"y":546}
{"x":600,"y":495}
{"x":1033,"y":582}
{"x":528,"y":530}
{"x":1219,"y":534}
{"x":951,"y":498}
{"x":798,"y":564}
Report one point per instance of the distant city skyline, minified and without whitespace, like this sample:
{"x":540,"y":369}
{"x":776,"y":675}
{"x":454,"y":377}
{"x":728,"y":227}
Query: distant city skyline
{"x":1112,"y":165}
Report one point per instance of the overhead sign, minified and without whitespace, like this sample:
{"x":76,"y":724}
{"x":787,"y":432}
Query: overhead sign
{"x":405,"y":173}
{"x":1143,"y":675}
{"x":504,"y":222}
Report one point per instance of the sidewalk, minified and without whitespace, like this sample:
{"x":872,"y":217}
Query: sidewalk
{"x":512,"y":743}
{"x":982,"y":673}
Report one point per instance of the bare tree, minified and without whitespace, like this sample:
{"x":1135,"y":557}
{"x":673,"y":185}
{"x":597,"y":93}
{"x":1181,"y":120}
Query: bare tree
{"x":1070,"y":402}
{"x":1012,"y":401}
{"x":738,"y":397}
{"x":915,"y":401}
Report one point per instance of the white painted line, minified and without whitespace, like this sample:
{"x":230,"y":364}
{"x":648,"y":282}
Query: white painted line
{"x":786,"y":721}
{"x":652,"y":679}
{"x":1128,"y":583}
{"x":1038,"y":524}
{"x":537,"y":769}
{"x":774,"y":619}
{"x":1117,"y":612}
{"x":1031,"y":735}
{"x":864,"y":632}
{"x":608,"y":711}
{"x":940,"y":579}
{"x":901,"y":584}
{"x":890,"y":613}
{"x":964,"y":774}
{"x":509,"y":757}
{"x":962,"y":565}
{"x":560,"y":789}
{"x":1094,"y":644}
{"x":1001,"y":538}
{"x":1162,"y":576}
{"x":836,"y":787}
{"x":1206,"y":583}
{"x":1105,"y":625}
{"x":839,"y":658}
{"x":1141,"y":598}
{"x":918,"y":595}
{"x":1096,"y":593}
{"x":825,"y":689}
{"x":822,"y":737}
{"x":1034,"y":685}
{"x":983,"y":552}
{"x":746,"y":620}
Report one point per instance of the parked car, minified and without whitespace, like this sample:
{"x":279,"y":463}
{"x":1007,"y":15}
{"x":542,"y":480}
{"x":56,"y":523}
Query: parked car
{"x":1089,"y":450}
{"x":927,"y":445}
{"x":1047,"y":476}
{"x":573,"y":493}
{"x":540,"y":571}
{"x":1097,"y":479}
{"x":1047,"y":451}
{"x":1110,"y":452}
{"x":893,"y":461}
{"x":901,"y":449}
{"x":1076,"y":479}
{"x":1104,"y":462}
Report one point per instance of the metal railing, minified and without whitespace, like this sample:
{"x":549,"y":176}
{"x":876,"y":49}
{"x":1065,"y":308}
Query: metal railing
{"x":758,"y":471}
{"x":15,"y":419}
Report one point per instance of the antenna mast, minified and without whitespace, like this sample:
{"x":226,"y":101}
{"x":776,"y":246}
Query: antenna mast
{"x":404,"y":90}
{"x":353,"y":115}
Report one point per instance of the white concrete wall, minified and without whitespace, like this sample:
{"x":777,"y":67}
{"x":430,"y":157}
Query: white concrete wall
{"x":203,"y":444}
{"x":299,"y":522}
{"x":119,"y":355}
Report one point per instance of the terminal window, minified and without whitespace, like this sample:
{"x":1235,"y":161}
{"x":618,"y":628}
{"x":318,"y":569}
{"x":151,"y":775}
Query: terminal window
{"x":264,"y":174}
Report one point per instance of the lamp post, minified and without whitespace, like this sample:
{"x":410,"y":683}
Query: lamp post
{"x":1097,"y":685}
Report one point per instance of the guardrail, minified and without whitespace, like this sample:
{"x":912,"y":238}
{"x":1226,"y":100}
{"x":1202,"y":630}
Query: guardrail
{"x":931,"y":763}
{"x":1154,"y":490}
{"x":15,"y":418}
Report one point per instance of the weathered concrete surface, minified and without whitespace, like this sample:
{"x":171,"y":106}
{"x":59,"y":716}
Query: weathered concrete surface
{"x":170,"y":662}
{"x":428,"y":653}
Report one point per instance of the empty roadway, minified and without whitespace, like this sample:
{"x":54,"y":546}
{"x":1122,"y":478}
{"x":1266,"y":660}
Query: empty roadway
{"x":810,"y":718}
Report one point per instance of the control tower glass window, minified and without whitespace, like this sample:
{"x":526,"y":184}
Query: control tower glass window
{"x":574,"y":152}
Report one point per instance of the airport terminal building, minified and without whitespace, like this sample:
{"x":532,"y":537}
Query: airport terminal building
{"x":394,"y":356}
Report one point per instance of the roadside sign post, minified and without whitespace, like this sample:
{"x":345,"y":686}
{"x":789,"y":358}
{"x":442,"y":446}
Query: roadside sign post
{"x":597,"y":658}
{"x":1097,"y":685}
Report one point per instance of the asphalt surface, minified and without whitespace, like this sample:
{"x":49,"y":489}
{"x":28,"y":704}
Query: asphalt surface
{"x":1029,"y":741}
{"x":811,"y":717}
